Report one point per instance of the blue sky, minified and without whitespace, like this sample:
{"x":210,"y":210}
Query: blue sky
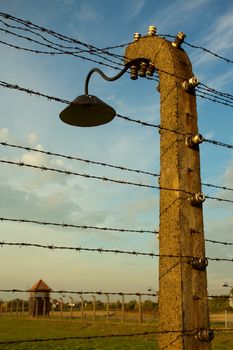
{"x":33,"y":121}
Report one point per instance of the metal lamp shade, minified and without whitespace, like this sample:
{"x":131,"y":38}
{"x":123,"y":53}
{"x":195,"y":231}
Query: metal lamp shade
{"x":86,"y":111}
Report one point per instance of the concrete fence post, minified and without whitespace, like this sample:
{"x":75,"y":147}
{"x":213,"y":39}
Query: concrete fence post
{"x":183,"y":304}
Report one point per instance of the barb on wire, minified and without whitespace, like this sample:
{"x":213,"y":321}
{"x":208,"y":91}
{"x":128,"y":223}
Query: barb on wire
{"x":219,"y":143}
{"x":188,"y":258}
{"x":201,"y":48}
{"x":58,"y":50}
{"x":217,"y":186}
{"x":82,"y":227}
{"x":62,"y":37}
{"x":77,"y":249}
{"x":51,"y":45}
{"x":52,"y":53}
{"x":125,"y":118}
{"x":32,"y":92}
{"x":67,"y":172}
{"x":106,"y":179}
{"x":8,"y":342}
{"x":218,"y":242}
{"x":91,"y":49}
{"x":219,"y":296}
{"x":209,"y":51}
{"x":63,"y":291}
{"x":88,"y":161}
{"x":94,"y":50}
{"x":78,"y":158}
{"x":219,"y":199}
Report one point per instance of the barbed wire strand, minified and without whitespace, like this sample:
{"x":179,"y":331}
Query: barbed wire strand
{"x":210,"y":90}
{"x":200,"y":47}
{"x":125,"y":118}
{"x":105,"y":336}
{"x":103,"y":50}
{"x":29,"y":26}
{"x":88,"y":161}
{"x":106,"y":179}
{"x":58,"y":51}
{"x":82,"y":227}
{"x":59,"y":36}
{"x":189,"y":258}
{"x":81,"y":292}
{"x":8,"y":342}
{"x":63,"y":37}
{"x":69,"y":157}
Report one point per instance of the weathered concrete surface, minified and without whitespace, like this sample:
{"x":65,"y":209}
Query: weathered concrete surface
{"x":183,"y":304}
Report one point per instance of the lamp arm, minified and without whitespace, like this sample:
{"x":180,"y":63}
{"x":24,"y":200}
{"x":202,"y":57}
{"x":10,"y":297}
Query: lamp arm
{"x":97,"y":70}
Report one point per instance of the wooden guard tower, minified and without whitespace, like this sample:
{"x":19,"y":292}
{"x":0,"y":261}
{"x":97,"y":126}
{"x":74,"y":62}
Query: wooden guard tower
{"x":39,"y":301}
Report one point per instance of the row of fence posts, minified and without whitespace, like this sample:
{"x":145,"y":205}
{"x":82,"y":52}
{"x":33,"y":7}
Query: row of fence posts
{"x":21,"y":311}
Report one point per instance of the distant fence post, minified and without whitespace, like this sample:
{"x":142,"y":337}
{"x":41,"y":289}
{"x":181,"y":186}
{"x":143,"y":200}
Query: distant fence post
{"x":37,"y":304}
{"x":71,"y":307}
{"x":122,"y":308}
{"x":23,"y":307}
{"x":226,"y":320}
{"x":140,"y":315}
{"x":11,"y":314}
{"x":61,"y":306}
{"x":107,"y":307}
{"x":94,"y":308}
{"x":17,"y":308}
{"x":44,"y":306}
{"x":82,"y":308}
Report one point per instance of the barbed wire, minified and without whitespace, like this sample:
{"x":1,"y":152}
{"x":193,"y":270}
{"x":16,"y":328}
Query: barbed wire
{"x":82,"y":227}
{"x":52,"y":53}
{"x":106,"y":179}
{"x":219,"y":143}
{"x":81,"y":292}
{"x":103,"y":178}
{"x":200,"y":47}
{"x":125,"y":118}
{"x":77,"y":249}
{"x":89,"y":337}
{"x":62,"y":37}
{"x":29,"y":26}
{"x":103,"y":50}
{"x":218,"y":242}
{"x":88,"y":161}
{"x":93,"y":50}
{"x":189,"y":258}
{"x":211,"y":91}
{"x":105,"y":336}
{"x":69,"y":157}
{"x":58,"y":51}
{"x":100,"y":292}
{"x":219,"y":199}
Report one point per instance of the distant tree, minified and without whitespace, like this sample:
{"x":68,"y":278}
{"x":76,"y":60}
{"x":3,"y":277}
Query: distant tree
{"x":131,"y":305}
{"x":219,"y":304}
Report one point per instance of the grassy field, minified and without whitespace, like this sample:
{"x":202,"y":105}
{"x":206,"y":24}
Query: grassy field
{"x":13,"y":329}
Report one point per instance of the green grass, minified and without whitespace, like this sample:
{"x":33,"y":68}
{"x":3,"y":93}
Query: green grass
{"x":18,"y":329}
{"x":13,"y":329}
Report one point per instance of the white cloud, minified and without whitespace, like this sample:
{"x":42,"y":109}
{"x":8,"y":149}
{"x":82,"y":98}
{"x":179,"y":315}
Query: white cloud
{"x":86,"y":13}
{"x":32,"y":138}
{"x":134,"y":8}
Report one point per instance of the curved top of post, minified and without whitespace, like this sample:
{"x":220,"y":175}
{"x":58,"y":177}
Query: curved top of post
{"x":170,"y":61}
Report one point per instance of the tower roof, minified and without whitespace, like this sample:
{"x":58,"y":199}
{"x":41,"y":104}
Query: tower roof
{"x":40,"y":286}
